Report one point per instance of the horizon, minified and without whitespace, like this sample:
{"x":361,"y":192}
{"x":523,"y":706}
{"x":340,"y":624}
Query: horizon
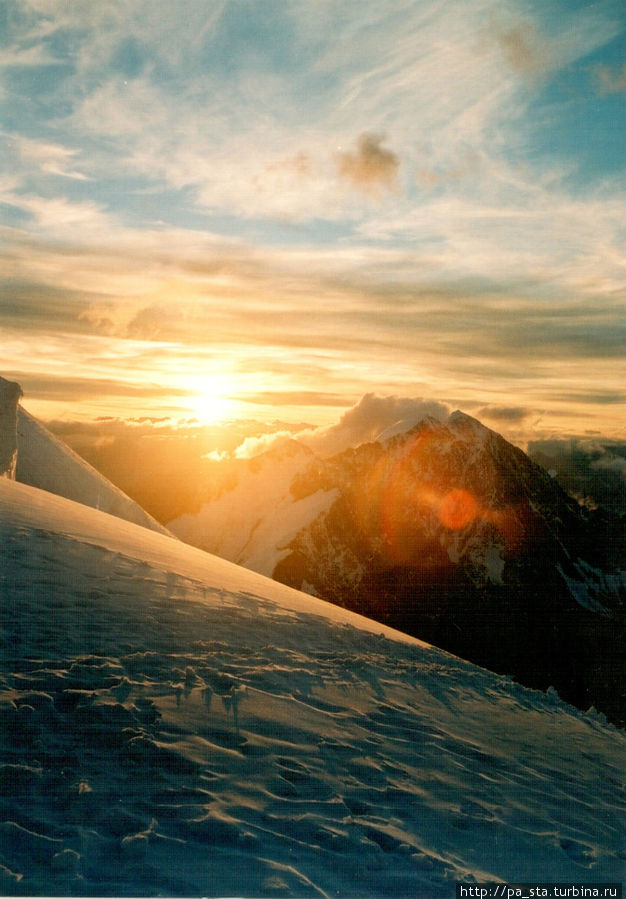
{"x":268,"y":212}
{"x":139,"y":454}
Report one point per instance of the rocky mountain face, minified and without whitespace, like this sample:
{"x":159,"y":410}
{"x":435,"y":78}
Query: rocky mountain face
{"x":454,"y":535}
{"x":451,"y":534}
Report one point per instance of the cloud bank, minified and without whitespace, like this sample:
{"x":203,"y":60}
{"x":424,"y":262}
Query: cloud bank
{"x":362,"y":423}
{"x":593,"y":470}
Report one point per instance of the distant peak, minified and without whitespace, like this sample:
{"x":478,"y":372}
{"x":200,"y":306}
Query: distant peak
{"x":458,"y":419}
{"x":408,"y":425}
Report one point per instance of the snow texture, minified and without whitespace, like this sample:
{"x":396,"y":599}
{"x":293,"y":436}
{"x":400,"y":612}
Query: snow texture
{"x":174,"y":725}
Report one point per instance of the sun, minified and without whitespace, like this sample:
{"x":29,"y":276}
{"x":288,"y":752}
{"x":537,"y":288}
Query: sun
{"x":210,"y":400}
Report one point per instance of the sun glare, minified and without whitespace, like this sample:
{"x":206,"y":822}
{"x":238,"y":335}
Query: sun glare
{"x":210,"y":400}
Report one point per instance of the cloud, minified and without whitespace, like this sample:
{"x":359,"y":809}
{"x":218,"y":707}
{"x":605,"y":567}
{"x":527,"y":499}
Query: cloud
{"x":593,"y":470}
{"x":227,"y":120}
{"x":255,"y":446}
{"x":294,"y":398}
{"x":72,"y":389}
{"x":368,"y":418}
{"x":592,"y":395}
{"x":371,"y":166}
{"x":511,"y":414}
{"x":53,"y":159}
{"x":27,"y":57}
{"x":362,"y":423}
{"x":312,"y":324}
{"x":60,"y":215}
{"x":299,"y":164}
{"x":520,"y":46}
{"x":611,"y":462}
{"x":610,"y":79}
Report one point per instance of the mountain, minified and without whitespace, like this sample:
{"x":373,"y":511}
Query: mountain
{"x":448,"y":532}
{"x":175,"y":725}
{"x":29,"y":453}
{"x":254,"y":522}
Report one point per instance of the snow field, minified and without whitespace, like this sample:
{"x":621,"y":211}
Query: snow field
{"x":174,"y":725}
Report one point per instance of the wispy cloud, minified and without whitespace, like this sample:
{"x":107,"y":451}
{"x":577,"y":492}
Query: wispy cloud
{"x":371,"y":416}
{"x":611,"y":79}
{"x":332,"y":198}
{"x":513,"y":414}
{"x":520,"y":46}
{"x":53,"y":159}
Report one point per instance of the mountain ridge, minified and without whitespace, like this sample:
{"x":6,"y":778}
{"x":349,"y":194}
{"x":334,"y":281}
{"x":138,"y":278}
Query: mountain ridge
{"x":31,"y":454}
{"x":449,"y":532}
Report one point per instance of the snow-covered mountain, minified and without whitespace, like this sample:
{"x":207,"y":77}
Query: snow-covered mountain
{"x":175,"y":725}
{"x":448,"y":532}
{"x":254,"y":523}
{"x":29,"y":453}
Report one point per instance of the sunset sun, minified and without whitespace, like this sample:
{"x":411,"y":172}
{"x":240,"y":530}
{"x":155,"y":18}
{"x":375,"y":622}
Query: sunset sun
{"x":210,"y":399}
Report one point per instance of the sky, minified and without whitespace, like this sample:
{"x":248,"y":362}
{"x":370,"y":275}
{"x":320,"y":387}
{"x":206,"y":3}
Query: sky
{"x":272,"y":208}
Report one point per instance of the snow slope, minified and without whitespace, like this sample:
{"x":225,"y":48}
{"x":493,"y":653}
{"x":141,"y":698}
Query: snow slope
{"x":254,"y":523}
{"x":174,"y":725}
{"x":46,"y":462}
{"x":29,"y":453}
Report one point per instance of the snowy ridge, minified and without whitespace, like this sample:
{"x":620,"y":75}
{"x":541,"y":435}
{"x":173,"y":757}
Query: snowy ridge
{"x":174,"y":725}
{"x":24,"y":506}
{"x":29,"y":453}
{"x":46,"y":462}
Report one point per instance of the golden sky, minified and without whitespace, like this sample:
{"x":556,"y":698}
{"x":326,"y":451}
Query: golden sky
{"x":261,"y":209}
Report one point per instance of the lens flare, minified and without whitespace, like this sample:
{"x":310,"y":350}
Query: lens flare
{"x":458,"y":509}
{"x":401,"y":503}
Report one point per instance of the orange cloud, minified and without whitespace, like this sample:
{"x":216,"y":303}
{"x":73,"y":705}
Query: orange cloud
{"x":372,"y":166}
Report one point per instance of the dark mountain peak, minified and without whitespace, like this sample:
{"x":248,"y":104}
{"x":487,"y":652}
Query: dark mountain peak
{"x":451,"y":533}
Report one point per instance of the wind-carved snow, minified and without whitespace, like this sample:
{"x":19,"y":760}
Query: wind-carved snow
{"x":174,"y":725}
{"x":10,"y":394}
{"x":253,"y":524}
